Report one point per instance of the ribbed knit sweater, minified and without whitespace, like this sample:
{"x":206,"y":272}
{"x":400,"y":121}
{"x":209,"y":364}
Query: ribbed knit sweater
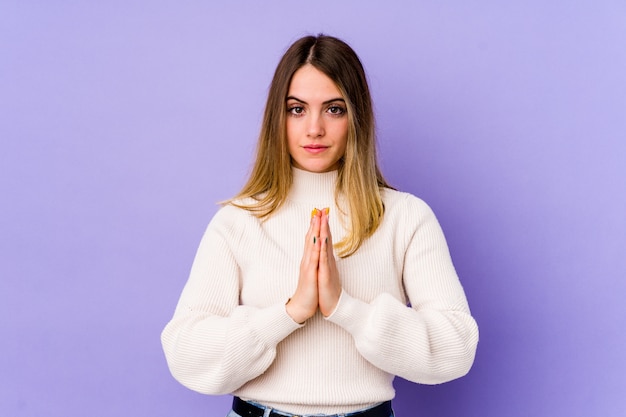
{"x":402,"y":310}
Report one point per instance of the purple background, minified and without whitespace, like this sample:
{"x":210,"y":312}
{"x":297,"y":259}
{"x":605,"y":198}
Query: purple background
{"x":123,"y":122}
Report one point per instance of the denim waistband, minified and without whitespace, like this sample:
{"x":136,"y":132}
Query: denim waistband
{"x":247,"y":409}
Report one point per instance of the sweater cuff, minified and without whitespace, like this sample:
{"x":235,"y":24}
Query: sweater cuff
{"x":350,"y":313}
{"x":273,"y":324}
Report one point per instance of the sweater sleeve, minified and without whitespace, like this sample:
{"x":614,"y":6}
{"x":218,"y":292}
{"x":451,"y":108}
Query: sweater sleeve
{"x":213,"y":345}
{"x":434,"y":339}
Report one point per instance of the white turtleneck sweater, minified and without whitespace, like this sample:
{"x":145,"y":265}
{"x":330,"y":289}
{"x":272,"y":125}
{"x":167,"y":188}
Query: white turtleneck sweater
{"x":231,"y":333}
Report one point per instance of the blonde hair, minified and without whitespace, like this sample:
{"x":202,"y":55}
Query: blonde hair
{"x":359,"y":180}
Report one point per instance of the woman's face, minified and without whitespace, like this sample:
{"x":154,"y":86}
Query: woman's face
{"x":317,"y":121}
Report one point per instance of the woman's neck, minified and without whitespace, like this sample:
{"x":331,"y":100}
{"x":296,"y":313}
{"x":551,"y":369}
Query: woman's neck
{"x":313,"y":188}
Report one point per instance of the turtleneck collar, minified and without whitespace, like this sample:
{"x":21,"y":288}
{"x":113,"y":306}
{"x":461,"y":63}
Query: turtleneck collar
{"x":315,"y":189}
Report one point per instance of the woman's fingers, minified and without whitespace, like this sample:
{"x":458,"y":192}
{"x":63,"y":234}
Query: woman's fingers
{"x":319,"y":284}
{"x":328,"y":282}
{"x":312,"y":244}
{"x":304,"y":302}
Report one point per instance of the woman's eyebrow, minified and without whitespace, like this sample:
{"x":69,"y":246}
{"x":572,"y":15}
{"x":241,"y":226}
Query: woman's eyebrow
{"x":304,"y":102}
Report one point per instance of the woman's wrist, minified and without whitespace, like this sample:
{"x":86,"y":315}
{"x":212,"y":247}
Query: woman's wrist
{"x":293,"y":312}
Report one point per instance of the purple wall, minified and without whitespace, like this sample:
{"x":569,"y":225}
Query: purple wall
{"x":122,"y":123}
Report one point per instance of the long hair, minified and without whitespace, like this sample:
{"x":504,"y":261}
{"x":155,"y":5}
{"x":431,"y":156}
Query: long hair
{"x":359,"y":180}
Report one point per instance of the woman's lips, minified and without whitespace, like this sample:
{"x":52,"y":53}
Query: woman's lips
{"x":315,"y":148}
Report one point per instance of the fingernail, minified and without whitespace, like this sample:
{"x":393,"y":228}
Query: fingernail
{"x":327,"y":210}
{"x":326,"y":240}
{"x":314,"y":212}
{"x":314,"y":240}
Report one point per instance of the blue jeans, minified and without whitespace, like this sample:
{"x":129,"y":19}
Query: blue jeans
{"x":269,"y":410}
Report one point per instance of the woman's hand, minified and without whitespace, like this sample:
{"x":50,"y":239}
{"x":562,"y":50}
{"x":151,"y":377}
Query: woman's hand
{"x":318,"y":284}
{"x":303,"y":304}
{"x":328,"y":283}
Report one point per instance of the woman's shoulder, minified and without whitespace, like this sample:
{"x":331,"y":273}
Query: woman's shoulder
{"x":234,"y":213}
{"x":401,"y":200}
{"x":407,"y":209}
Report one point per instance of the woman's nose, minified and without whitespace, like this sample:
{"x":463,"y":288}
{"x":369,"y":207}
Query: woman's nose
{"x":316,"y":127}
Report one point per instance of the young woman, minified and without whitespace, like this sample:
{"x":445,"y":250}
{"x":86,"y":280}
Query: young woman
{"x":319,"y":283}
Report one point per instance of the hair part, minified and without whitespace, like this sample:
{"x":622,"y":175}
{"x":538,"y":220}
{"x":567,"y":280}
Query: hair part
{"x":359,"y":180}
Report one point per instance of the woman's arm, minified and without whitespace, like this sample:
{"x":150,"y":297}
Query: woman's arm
{"x":212,"y":344}
{"x":432,"y":341}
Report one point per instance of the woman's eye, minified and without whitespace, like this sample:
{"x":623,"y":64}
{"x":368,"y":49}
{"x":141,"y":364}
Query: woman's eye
{"x":296,"y":110}
{"x":336,"y":110}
